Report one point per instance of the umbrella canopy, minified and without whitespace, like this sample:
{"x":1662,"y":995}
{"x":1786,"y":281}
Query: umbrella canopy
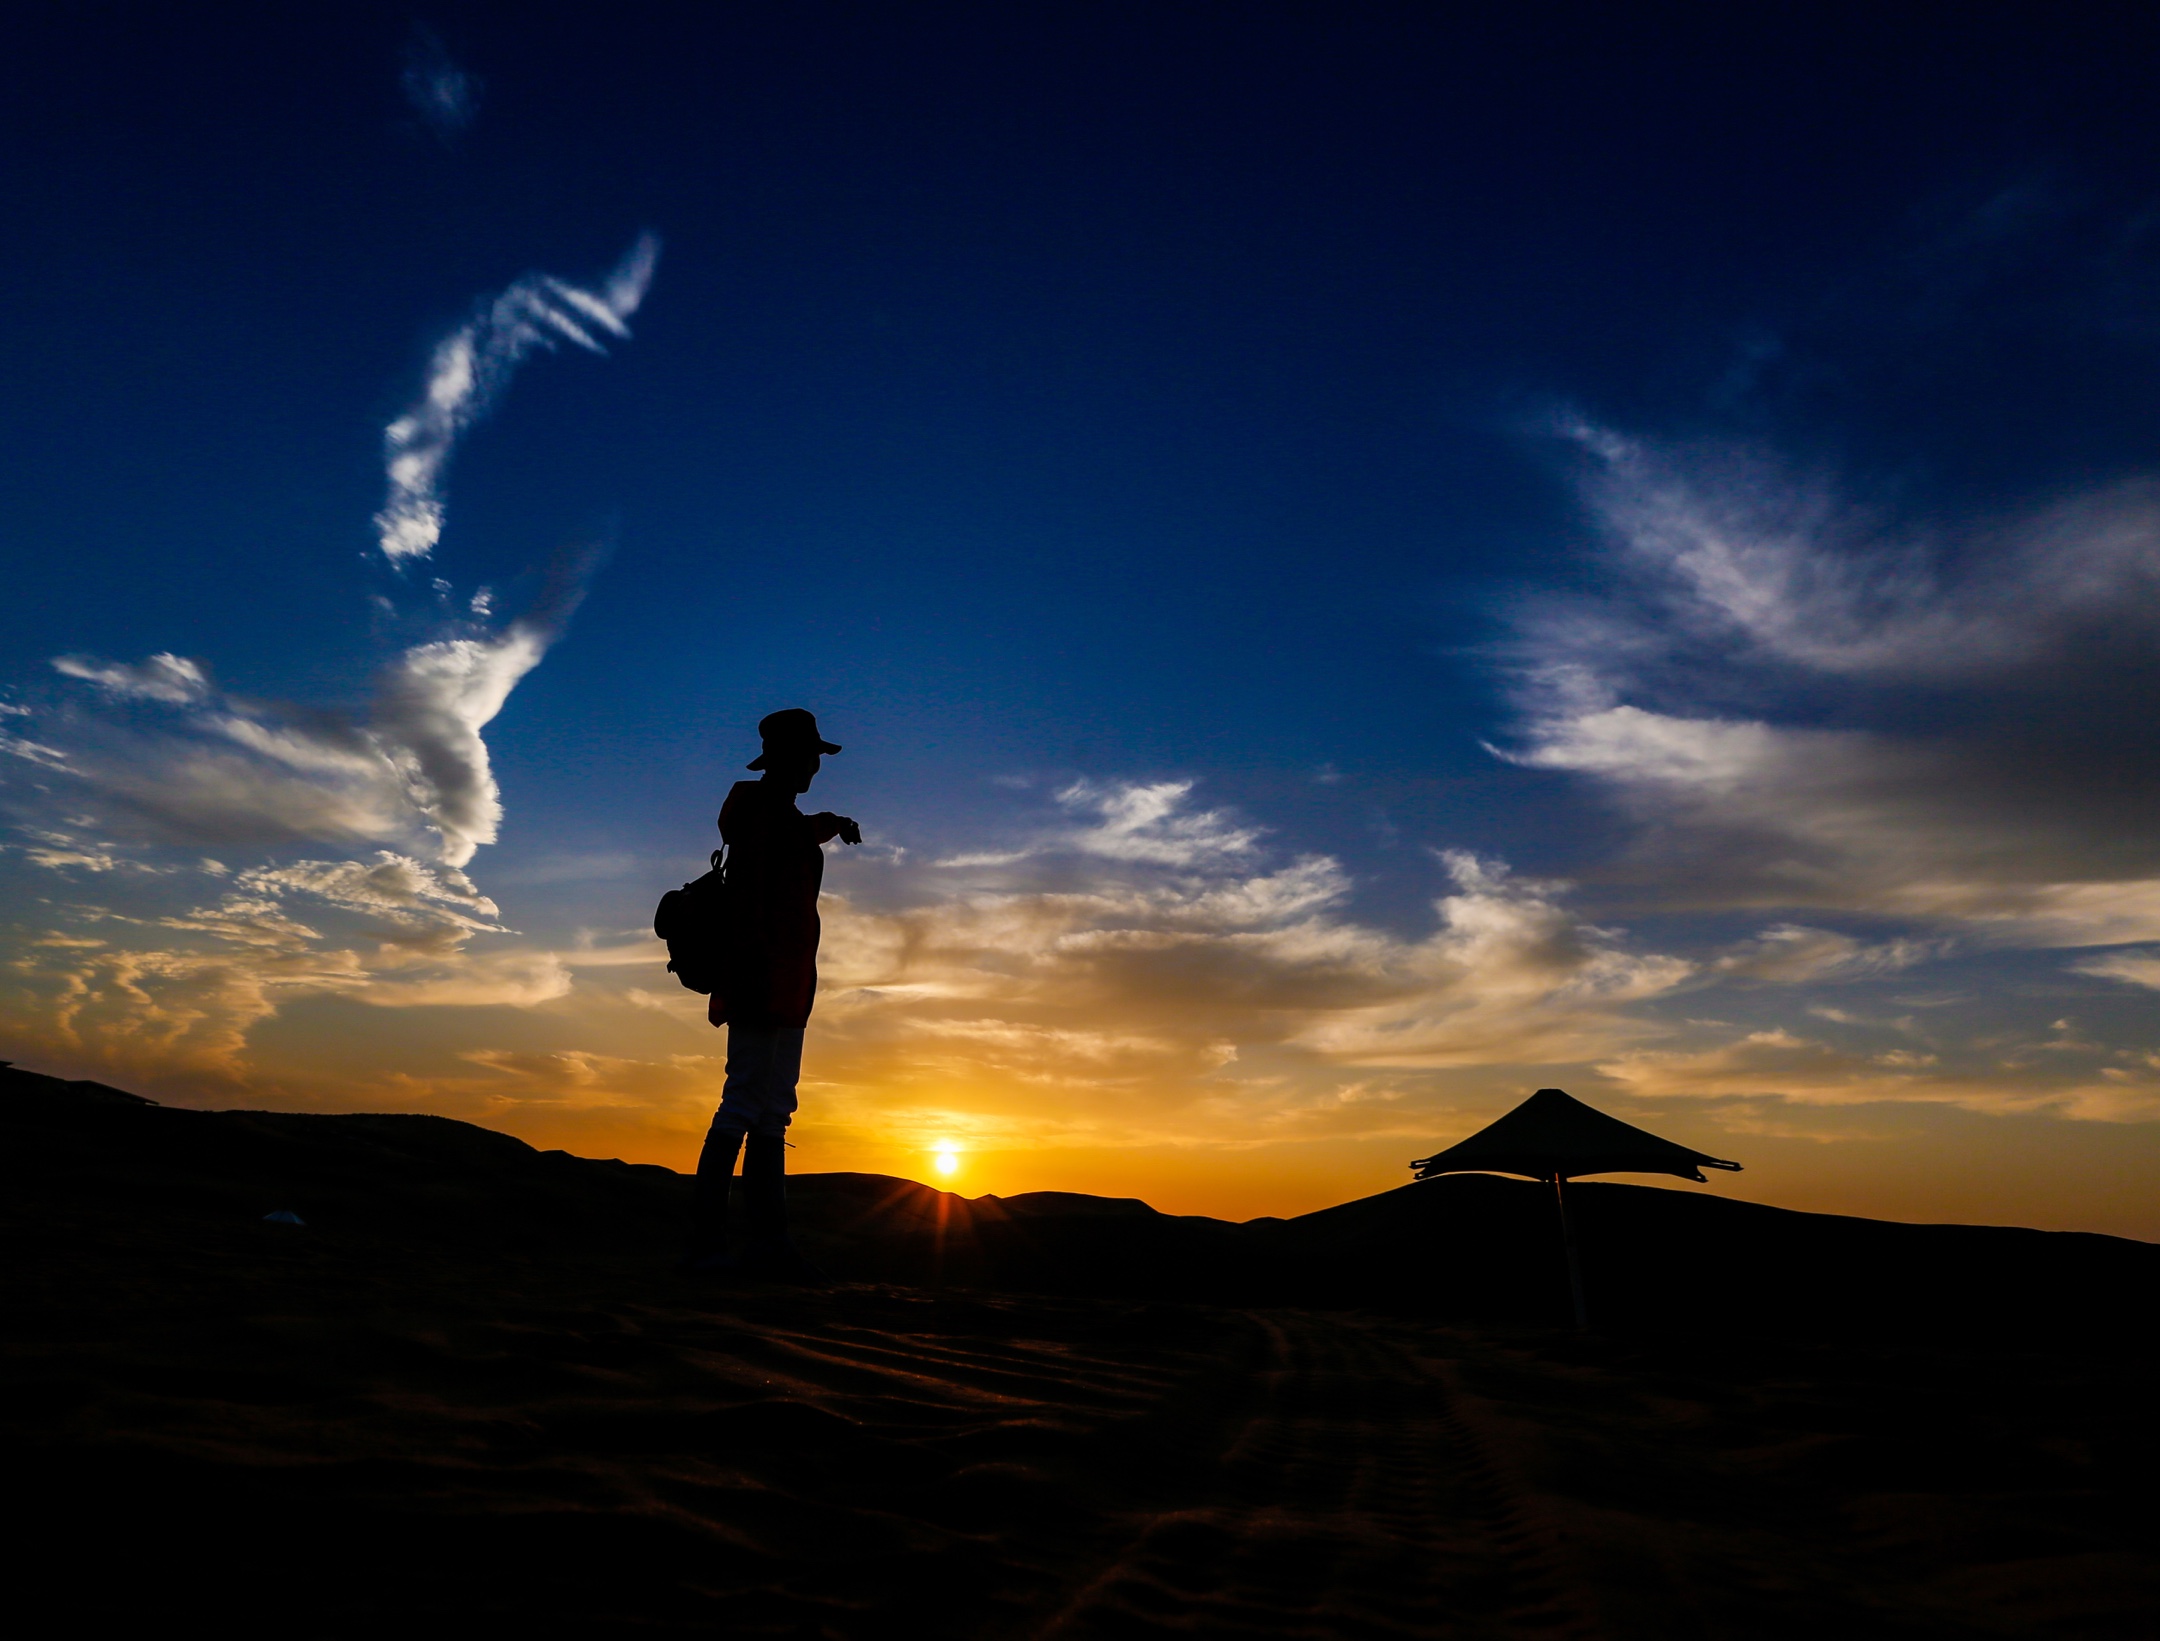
{"x":1553,"y":1135}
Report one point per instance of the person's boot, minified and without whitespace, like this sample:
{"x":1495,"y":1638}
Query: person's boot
{"x":771,"y":1254}
{"x":708,"y":1249}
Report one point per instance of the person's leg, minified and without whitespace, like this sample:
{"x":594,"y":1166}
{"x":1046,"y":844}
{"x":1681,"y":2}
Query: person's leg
{"x":755,"y":1055}
{"x":765,"y":1166}
{"x":709,"y":1193}
{"x":750,"y":1056}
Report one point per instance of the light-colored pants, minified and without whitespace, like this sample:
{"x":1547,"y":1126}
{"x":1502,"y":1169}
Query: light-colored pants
{"x":763,"y":1065}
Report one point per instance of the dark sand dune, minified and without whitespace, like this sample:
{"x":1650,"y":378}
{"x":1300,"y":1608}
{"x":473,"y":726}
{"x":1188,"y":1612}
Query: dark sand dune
{"x":469,"y":1394}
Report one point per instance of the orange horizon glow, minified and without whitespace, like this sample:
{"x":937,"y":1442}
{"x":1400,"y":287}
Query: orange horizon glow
{"x":1945,"y":1166}
{"x":1179,"y":1088}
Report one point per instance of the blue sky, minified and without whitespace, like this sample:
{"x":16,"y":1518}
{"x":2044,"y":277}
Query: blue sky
{"x":1363,"y":563}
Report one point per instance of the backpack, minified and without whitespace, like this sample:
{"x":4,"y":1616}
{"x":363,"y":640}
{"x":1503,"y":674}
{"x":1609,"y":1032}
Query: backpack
{"x":695,"y":922}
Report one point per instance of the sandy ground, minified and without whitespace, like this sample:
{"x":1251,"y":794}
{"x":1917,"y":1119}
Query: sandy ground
{"x":369,"y":1426}
{"x":276,"y":1433}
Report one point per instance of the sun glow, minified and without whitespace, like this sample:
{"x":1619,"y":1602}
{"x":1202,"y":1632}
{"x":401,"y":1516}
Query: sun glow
{"x":947,"y":1157}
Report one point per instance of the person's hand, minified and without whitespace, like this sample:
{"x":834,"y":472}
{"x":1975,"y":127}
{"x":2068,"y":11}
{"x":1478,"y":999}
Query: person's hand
{"x":849,"y":831}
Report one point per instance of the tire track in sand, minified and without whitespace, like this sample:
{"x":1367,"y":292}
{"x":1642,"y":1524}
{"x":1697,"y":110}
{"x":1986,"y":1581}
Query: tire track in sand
{"x":1351,"y":1499}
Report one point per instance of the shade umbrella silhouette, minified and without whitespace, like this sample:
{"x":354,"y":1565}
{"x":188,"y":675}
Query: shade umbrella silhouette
{"x":1554,"y":1136}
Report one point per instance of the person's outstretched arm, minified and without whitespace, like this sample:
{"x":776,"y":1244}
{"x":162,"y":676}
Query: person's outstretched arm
{"x":825,"y":826}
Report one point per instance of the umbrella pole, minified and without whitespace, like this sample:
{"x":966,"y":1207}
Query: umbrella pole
{"x":1574,"y":1265}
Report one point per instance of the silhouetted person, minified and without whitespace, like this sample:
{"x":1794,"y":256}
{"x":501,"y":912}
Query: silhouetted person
{"x":768,"y":978}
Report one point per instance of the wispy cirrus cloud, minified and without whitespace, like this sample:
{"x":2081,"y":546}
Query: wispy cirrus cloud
{"x":1809,"y":710}
{"x":1794,"y":954}
{"x":171,"y":679}
{"x":1806,"y":702}
{"x":32,"y":752}
{"x":470,"y":369}
{"x":1740,"y":557}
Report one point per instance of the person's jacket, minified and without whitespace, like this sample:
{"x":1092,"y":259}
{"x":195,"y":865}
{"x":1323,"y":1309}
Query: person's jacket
{"x":775,"y":865}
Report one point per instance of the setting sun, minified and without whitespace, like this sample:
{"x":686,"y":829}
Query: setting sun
{"x":948,"y":1159}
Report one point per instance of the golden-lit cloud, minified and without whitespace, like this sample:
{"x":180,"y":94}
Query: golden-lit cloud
{"x":158,"y":977}
{"x":2139,"y":968}
{"x":1805,"y":1071}
{"x":1178,"y":987}
{"x":1147,"y":973}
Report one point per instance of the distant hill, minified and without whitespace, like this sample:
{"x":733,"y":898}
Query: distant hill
{"x":1468,"y":1246}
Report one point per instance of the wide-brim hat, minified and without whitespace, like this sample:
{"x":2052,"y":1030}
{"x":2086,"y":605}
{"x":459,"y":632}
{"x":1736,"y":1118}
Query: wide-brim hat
{"x":791,"y":729}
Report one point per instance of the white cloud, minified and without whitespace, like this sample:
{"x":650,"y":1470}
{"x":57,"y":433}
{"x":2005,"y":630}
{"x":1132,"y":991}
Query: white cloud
{"x":469,"y":371}
{"x":32,"y":751}
{"x":172,"y":679}
{"x":1137,"y":822}
{"x":430,"y":706}
{"x":1150,"y":824}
